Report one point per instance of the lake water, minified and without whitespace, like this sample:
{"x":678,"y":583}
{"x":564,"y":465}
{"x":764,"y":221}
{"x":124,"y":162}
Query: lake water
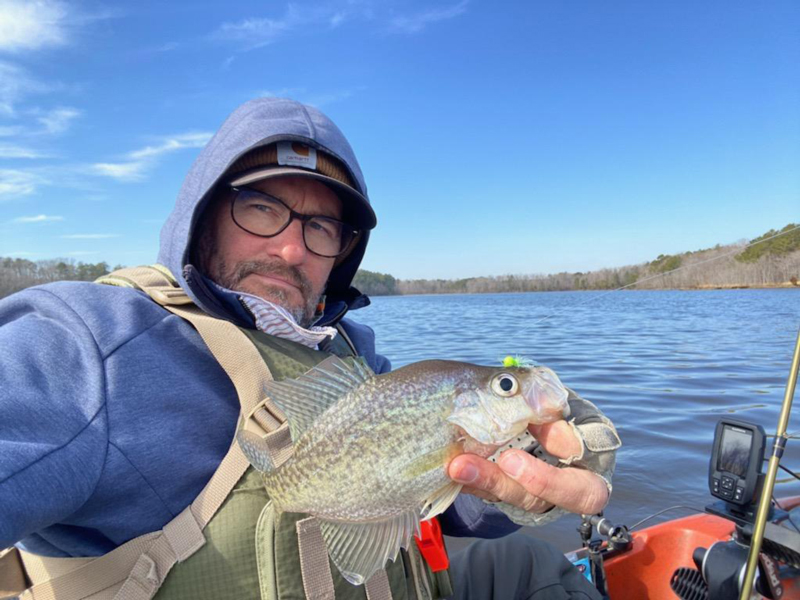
{"x":665,"y":366}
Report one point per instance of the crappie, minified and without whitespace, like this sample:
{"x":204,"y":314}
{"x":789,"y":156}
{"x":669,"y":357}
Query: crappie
{"x":371,"y":452}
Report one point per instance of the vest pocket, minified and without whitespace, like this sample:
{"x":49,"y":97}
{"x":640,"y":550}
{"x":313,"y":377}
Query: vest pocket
{"x":265,"y":553}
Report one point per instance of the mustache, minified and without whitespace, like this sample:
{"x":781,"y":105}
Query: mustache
{"x":275,"y":267}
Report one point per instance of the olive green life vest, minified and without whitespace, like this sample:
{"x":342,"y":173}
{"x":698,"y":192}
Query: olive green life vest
{"x":228,"y":544}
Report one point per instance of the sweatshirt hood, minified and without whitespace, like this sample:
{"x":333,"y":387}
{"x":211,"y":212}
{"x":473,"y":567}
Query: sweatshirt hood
{"x":256,"y":123}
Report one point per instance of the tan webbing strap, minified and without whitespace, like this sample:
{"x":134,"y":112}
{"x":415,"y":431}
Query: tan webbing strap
{"x":315,"y":567}
{"x":12,"y":574}
{"x":314,"y":564}
{"x":42,"y":568}
{"x":268,"y":422}
{"x":144,"y":562}
{"x":377,"y":586}
{"x":266,"y":419}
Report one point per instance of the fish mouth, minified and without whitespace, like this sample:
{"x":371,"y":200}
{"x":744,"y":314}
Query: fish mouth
{"x":546,"y":396}
{"x":484,"y":430}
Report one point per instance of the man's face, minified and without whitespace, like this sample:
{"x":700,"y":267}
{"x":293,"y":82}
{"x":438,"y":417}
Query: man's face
{"x":279,"y":269}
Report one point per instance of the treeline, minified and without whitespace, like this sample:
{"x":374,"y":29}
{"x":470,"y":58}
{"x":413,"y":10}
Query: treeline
{"x":767,"y":263}
{"x":18,"y":273}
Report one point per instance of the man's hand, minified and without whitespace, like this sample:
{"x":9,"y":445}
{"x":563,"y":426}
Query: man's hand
{"x":531,"y":484}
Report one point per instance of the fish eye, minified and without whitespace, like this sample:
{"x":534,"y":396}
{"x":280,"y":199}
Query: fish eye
{"x":505,"y":385}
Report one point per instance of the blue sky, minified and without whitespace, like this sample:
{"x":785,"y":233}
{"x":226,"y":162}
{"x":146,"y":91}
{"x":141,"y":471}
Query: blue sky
{"x":513,"y":137}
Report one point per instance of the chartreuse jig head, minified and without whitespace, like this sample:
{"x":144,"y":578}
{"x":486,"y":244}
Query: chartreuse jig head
{"x":516,"y":361}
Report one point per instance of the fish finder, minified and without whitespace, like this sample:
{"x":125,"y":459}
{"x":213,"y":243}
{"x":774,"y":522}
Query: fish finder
{"x":736,"y":458}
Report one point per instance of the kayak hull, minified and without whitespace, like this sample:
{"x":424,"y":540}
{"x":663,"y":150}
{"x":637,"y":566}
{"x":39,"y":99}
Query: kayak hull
{"x":643,"y":572}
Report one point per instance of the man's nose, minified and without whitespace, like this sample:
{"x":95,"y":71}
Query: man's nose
{"x":291,"y":245}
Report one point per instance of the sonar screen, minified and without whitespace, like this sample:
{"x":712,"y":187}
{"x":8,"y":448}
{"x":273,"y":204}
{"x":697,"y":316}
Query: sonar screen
{"x":736,"y":461}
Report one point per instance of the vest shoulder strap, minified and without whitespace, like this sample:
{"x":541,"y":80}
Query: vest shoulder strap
{"x":136,"y":569}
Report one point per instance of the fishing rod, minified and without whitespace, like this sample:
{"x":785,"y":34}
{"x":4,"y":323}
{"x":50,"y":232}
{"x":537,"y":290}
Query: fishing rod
{"x":665,"y":273}
{"x":769,"y":484}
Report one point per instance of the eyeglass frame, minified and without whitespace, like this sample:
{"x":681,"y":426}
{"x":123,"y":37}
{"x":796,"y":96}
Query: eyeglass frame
{"x":293,"y":214}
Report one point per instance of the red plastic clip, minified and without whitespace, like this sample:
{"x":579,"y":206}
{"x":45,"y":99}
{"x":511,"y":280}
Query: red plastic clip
{"x":431,"y":545}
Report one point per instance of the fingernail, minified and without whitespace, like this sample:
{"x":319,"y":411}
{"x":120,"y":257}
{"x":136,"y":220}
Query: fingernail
{"x":512,"y":464}
{"x":467,"y":474}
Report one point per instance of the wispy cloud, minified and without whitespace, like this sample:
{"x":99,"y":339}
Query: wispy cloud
{"x":58,"y":119}
{"x":82,"y":253}
{"x":30,"y":25}
{"x":168,"y":47}
{"x":325,"y":99}
{"x":170,"y":144}
{"x":419,"y":21}
{"x":257,"y":32}
{"x":39,"y":24}
{"x":285,"y":92}
{"x":12,"y":151}
{"x":337,"y":19}
{"x":141,"y":161}
{"x":15,"y":84}
{"x":38,"y":219}
{"x":18,"y":183}
{"x":90,"y":236}
{"x":10,"y":130}
{"x":318,"y":99}
{"x":131,"y":171}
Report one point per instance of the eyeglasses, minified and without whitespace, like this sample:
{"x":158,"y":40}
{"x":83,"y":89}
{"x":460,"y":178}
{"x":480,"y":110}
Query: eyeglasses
{"x":267,"y":216}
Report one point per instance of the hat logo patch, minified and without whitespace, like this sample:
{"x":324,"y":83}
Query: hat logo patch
{"x":300,"y":149}
{"x":295,"y":154}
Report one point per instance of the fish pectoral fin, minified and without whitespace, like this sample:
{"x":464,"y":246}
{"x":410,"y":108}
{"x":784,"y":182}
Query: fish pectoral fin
{"x":256,"y":450}
{"x":359,"y":550}
{"x":440,"y":500}
{"x":435,"y":459}
{"x":305,"y":398}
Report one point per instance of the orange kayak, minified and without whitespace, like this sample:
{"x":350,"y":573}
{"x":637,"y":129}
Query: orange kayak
{"x":644,"y":570}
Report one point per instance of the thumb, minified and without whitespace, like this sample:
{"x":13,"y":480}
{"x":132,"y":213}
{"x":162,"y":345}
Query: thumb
{"x":558,"y":439}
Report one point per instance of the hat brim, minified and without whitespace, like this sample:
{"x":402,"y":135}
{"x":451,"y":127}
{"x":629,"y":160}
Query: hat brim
{"x":355,"y":207}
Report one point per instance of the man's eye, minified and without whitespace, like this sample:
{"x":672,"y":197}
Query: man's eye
{"x":324,"y":228}
{"x":267,"y":208}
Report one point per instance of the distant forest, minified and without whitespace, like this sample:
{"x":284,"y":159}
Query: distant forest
{"x":771,"y":263}
{"x":757,"y":263}
{"x":18,"y":273}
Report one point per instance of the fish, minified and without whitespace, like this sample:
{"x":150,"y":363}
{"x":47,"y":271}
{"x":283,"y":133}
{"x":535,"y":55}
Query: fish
{"x":370,"y":452}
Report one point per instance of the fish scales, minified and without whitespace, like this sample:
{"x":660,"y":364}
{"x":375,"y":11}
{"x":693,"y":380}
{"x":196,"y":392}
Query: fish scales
{"x":383,"y":423}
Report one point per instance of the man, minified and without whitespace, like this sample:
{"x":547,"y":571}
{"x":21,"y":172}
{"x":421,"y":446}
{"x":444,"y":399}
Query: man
{"x":114,"y":413}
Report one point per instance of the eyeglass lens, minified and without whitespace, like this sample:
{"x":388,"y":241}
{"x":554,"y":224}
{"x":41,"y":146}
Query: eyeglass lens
{"x":266,"y":215}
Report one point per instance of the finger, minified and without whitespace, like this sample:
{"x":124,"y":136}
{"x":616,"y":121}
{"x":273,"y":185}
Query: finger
{"x":481,"y":475}
{"x":557,"y":438}
{"x":575,"y":490}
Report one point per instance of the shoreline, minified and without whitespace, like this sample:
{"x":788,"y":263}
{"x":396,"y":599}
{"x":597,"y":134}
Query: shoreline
{"x":703,"y":288}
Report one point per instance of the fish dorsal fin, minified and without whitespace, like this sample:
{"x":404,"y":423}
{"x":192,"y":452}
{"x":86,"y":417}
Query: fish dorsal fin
{"x":256,"y":450}
{"x":440,"y":500}
{"x":307,"y":397}
{"x":359,"y":550}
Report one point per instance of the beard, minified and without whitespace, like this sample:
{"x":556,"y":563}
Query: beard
{"x":232,"y":278}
